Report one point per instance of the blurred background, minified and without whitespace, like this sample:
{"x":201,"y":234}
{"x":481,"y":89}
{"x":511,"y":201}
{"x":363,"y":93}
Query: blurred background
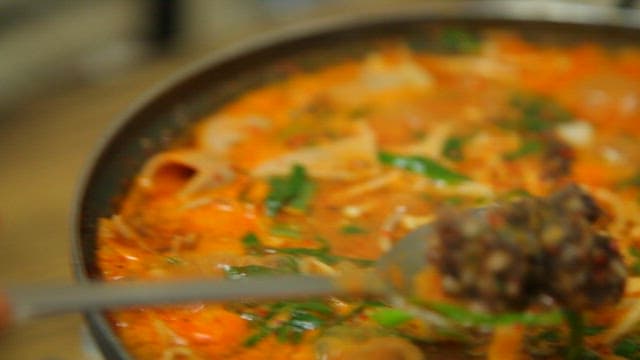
{"x":67,"y":69}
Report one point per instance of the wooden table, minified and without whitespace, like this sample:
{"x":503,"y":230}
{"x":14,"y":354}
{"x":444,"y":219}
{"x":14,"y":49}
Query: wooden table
{"x":43,"y":150}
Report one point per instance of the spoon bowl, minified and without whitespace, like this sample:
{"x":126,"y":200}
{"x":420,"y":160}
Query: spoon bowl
{"x":398,"y":267}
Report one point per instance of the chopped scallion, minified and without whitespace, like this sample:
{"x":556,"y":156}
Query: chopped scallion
{"x":465,"y":316}
{"x":528,"y":147}
{"x":294,"y":190}
{"x":452,"y":148}
{"x":239,"y":272}
{"x":535,"y":113}
{"x":632,"y":181}
{"x":352,"y":229}
{"x":391,"y":317}
{"x":628,"y":347}
{"x":251,"y":243}
{"x":456,"y":40}
{"x":253,"y":246}
{"x":285,"y":230}
{"x":422,"y":165}
{"x":634,"y":267}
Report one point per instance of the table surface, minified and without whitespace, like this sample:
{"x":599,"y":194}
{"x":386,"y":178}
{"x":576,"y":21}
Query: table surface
{"x":43,"y":150}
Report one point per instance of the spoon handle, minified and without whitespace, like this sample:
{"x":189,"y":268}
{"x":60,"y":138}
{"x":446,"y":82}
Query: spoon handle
{"x":28,"y":302}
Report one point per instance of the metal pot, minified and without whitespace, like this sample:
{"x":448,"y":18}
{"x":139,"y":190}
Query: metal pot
{"x":167,"y":111}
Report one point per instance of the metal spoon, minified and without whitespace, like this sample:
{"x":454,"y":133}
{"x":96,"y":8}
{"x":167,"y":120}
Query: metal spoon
{"x":404,"y":261}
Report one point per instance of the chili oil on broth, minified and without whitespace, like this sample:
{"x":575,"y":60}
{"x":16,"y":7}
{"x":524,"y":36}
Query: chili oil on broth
{"x":323,"y":171}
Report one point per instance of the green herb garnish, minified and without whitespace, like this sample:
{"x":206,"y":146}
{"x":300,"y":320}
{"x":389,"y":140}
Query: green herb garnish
{"x":288,"y":320}
{"x":455,"y":40}
{"x":628,"y":348}
{"x":287,"y":265}
{"x":323,"y":253}
{"x":633,"y":181}
{"x":285,"y":230}
{"x":593,"y":330}
{"x":239,"y":272}
{"x":575,"y":321}
{"x":257,"y":336}
{"x":535,"y":113}
{"x":528,"y":147}
{"x":452,"y":148}
{"x":448,"y":41}
{"x":550,"y":335}
{"x":517,"y":193}
{"x":391,"y":317}
{"x":464,"y":316}
{"x":635,"y":265}
{"x":454,"y":200}
{"x":294,"y":190}
{"x":173,"y":260}
{"x":252,"y":244}
{"x":422,"y":165}
{"x":352,"y":229}
{"x":360,"y":112}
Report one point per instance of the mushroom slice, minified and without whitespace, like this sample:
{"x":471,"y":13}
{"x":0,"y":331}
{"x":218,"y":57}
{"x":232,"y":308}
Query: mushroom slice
{"x":220,"y":133}
{"x":194,"y":171}
{"x":348,"y":158}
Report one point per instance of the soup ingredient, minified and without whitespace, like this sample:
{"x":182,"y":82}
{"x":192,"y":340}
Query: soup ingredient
{"x":453,"y":148}
{"x":459,"y":41}
{"x":533,"y":113}
{"x":526,"y":148}
{"x":449,"y":40}
{"x":628,"y":348}
{"x":294,"y":191}
{"x":422,"y":165}
{"x":512,"y":254}
{"x":373,"y":347}
{"x":288,"y":321}
{"x":462,"y":315}
{"x":390,"y":317}
{"x":322,"y":253}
